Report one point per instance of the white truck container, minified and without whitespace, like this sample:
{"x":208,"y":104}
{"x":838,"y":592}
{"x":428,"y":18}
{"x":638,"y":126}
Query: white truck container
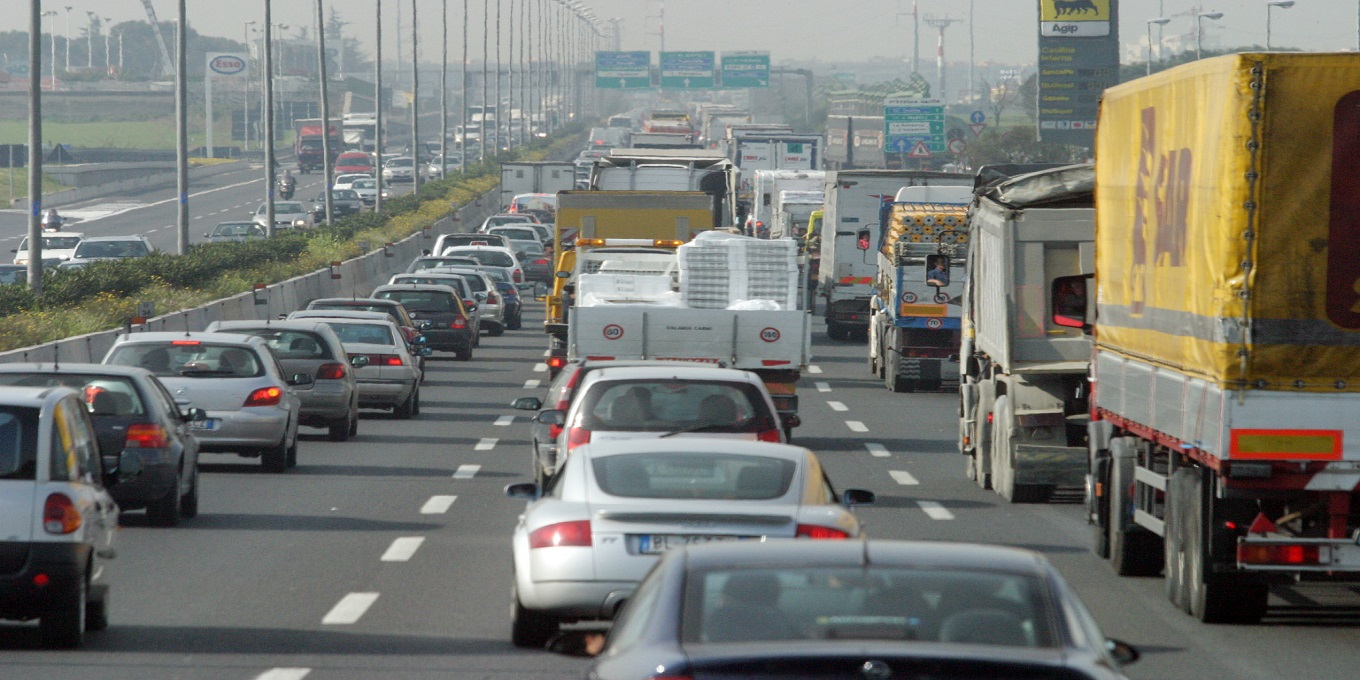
{"x":791,"y":211}
{"x":765,"y":188}
{"x":668,"y":170}
{"x":543,"y":177}
{"x":854,"y":201}
{"x":1023,"y":398}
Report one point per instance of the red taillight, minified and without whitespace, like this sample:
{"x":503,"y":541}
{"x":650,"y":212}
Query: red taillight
{"x":60,"y":515}
{"x":184,"y":342}
{"x":265,"y":396}
{"x":577,"y":436}
{"x":821,"y":533}
{"x":541,"y":261}
{"x":493,"y":299}
{"x":391,"y":360}
{"x":146,"y":436}
{"x":769,"y":436}
{"x":330,"y":372}
{"x":559,"y":362}
{"x":518,"y":276}
{"x":458,"y":322}
{"x":1255,"y":553}
{"x":469,"y":303}
{"x":554,"y":430}
{"x":562,"y":534}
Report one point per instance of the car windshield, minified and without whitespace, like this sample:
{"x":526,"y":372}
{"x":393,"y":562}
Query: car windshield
{"x":345,"y":194}
{"x":497,"y":220}
{"x":190,"y":358}
{"x":433,"y":262}
{"x":104,"y":395}
{"x":461,"y":240}
{"x":364,"y":184}
{"x":693,"y":475}
{"x":363,"y":333}
{"x":422,"y":300}
{"x":288,"y":208}
{"x":18,"y":442}
{"x":290,"y":344}
{"x":495,"y":258}
{"x":877,"y":602}
{"x":88,"y":249}
{"x":544,"y":203}
{"x":399,"y":163}
{"x":530,"y":247}
{"x":671,"y":405}
{"x":238,"y":229}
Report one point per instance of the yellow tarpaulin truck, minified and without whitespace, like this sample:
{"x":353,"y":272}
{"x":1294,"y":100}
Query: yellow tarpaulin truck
{"x":588,"y":220}
{"x":1225,"y":434}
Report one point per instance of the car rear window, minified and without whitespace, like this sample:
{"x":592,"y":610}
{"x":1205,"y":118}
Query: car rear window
{"x":104,"y":395}
{"x":18,"y":442}
{"x":59,"y":242}
{"x":494,"y":258}
{"x":875,"y":602}
{"x":457,"y":283}
{"x":345,"y":307}
{"x":517,"y":234}
{"x":697,"y":475}
{"x":190,"y":359}
{"x":368,"y":333}
{"x":110,"y":249}
{"x":476,"y":283}
{"x":421,"y":300}
{"x":290,"y":344}
{"x":671,"y":405}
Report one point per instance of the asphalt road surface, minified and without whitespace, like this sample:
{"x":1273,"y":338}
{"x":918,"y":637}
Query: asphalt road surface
{"x":388,"y":556}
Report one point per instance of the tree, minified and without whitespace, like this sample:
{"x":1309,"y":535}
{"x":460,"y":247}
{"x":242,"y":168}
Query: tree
{"x":999,"y":98}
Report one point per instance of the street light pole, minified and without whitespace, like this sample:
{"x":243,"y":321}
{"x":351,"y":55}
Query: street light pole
{"x":68,"y":38}
{"x":35,"y":15}
{"x":415,"y":105}
{"x":486,"y":30}
{"x":269,"y":159}
{"x":1199,"y":29}
{"x":1272,"y":4}
{"x":377,"y":110}
{"x":182,"y":126}
{"x":245,"y":101}
{"x":325,"y":110}
{"x":1159,"y":21}
{"x":462,"y":97}
{"x":444,"y":97}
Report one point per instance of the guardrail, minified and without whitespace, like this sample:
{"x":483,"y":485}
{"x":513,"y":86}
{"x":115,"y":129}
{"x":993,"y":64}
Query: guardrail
{"x":357,"y":276}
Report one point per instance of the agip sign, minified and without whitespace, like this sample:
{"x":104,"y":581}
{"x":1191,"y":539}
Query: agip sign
{"x":1078,"y":60}
{"x":1075,"y":18}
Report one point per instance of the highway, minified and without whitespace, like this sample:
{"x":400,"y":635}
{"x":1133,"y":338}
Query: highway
{"x":388,"y":556}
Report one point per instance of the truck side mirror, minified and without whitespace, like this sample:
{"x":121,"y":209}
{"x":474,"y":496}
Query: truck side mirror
{"x":937,"y":270}
{"x":862,"y":239}
{"x":1069,"y":302}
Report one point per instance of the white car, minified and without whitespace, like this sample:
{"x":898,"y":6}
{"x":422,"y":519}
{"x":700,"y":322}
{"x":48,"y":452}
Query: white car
{"x":346,"y":181}
{"x":53,"y":508}
{"x":96,"y":248}
{"x":491,"y":256}
{"x":388,"y":374}
{"x":585,"y":541}
{"x":400,"y":169}
{"x":367,"y":188}
{"x":287,"y":215}
{"x":56,"y":245}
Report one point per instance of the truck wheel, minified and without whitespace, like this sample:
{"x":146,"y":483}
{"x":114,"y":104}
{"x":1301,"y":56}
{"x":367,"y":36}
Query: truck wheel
{"x":1134,"y":551}
{"x":63,"y":626}
{"x":1003,"y":461}
{"x":1098,"y":510}
{"x":1214,"y":597}
{"x":892,"y":364}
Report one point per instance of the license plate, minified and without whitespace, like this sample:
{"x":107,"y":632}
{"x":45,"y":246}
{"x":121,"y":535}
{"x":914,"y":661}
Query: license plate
{"x":209,"y":424}
{"x":655,"y":544}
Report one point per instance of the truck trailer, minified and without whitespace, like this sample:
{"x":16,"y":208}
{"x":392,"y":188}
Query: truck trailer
{"x":1023,"y":393}
{"x":1224,"y":443}
{"x":542,"y":177}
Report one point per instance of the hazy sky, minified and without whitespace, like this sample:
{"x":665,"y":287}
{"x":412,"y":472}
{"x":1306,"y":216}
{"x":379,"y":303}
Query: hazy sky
{"x":831,"y":30}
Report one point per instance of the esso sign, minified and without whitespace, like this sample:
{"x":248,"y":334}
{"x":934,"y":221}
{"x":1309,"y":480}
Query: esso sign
{"x":227,"y":65}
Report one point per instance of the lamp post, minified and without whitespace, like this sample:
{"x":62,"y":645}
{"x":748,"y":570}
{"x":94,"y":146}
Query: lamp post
{"x":1199,"y":29}
{"x":107,"y":31}
{"x":53,"y":66}
{"x":245,"y":100}
{"x":1272,"y":4}
{"x":68,"y":38}
{"x":89,"y":38}
{"x":377,"y":108}
{"x":415,"y":103}
{"x":35,"y":156}
{"x":1160,"y":21}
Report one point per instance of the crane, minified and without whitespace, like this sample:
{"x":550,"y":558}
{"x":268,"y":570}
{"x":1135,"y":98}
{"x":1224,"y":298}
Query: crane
{"x":160,"y":39}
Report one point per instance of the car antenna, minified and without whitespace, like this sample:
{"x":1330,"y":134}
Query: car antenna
{"x":56,"y":356}
{"x":186,"y":324}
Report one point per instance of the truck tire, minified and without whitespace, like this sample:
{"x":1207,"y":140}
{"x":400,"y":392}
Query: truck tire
{"x":982,"y":434}
{"x":1213,"y":597}
{"x":1003,"y":460}
{"x":1098,"y":508}
{"x":1134,"y":551}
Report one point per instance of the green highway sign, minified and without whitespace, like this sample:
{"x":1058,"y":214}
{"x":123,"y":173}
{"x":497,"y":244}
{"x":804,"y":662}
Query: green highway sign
{"x":623,"y":70}
{"x":688,"y":71}
{"x":745,"y":69}
{"x":913,"y":126}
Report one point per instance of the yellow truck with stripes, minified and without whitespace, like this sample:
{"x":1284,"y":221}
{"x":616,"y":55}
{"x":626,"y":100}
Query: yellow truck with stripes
{"x":855,"y":200}
{"x":1224,"y":447}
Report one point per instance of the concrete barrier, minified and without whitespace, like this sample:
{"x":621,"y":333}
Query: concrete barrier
{"x":357,"y":277}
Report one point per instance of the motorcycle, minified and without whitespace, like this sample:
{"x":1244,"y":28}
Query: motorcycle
{"x":51,"y":221}
{"x":286,"y":189}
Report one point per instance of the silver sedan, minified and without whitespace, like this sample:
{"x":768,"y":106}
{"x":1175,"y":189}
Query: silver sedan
{"x":614,"y":507}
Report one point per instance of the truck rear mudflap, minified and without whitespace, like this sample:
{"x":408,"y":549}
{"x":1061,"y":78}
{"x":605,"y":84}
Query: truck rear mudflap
{"x":1049,"y":465}
{"x":929,"y":371}
{"x":854,"y":312}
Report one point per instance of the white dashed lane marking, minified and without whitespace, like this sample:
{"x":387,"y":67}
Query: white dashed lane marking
{"x":934,"y":510}
{"x":823,"y":387}
{"x":856,"y":426}
{"x":903,"y":477}
{"x":402,"y":549}
{"x":504,"y":420}
{"x":837,"y":406}
{"x":814,"y":369}
{"x":531,"y":384}
{"x":540,"y":368}
{"x":546,"y":352}
{"x":437,"y":505}
{"x":877,"y":450}
{"x":466,"y":471}
{"x":284,"y":674}
{"x":350,"y":608}
{"x":486,"y":444}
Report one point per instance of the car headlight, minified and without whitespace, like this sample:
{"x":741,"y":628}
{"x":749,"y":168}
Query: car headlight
{"x":299,"y":223}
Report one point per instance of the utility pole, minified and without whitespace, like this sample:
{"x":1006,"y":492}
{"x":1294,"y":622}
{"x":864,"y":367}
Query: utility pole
{"x":971,"y":59}
{"x":463,"y":100}
{"x":496,"y":121}
{"x":325,"y":109}
{"x":486,"y":29}
{"x":269,"y":158}
{"x":182,"y":126}
{"x":940,"y":24}
{"x":35,"y":268}
{"x":377,"y":110}
{"x":444,"y":98}
{"x":415,"y":105}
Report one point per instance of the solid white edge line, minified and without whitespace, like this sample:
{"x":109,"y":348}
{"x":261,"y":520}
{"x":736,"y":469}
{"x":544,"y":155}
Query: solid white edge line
{"x":856,"y":426}
{"x":935,"y":510}
{"x":877,"y":450}
{"x":486,"y":444}
{"x":437,"y":505}
{"x":504,"y":420}
{"x":466,"y":471}
{"x":823,"y":387}
{"x":837,"y":406}
{"x":284,"y":674}
{"x":350,"y":608}
{"x":903,"y":477}
{"x":402,"y":549}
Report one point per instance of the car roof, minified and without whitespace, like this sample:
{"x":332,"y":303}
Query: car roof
{"x":949,"y":555}
{"x":415,"y":286}
{"x":354,"y":314}
{"x":201,"y":336}
{"x":90,"y":239}
{"x":734,"y":446}
{"x":270,"y":324}
{"x":33,"y":397}
{"x":664,"y":370}
{"x":353,"y":301}
{"x":453,"y":251}
{"x":75,"y":369}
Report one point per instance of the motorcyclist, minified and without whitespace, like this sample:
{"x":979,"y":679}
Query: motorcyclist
{"x":51,"y":221}
{"x":287,"y":184}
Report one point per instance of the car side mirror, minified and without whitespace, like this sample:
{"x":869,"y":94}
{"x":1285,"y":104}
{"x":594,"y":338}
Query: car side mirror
{"x":205,"y":235}
{"x":193,"y":414}
{"x":480,"y":297}
{"x":426,"y":325}
{"x":551,"y":417}
{"x":790,"y":420}
{"x":526,"y":490}
{"x":563,"y":275}
{"x":129,"y":465}
{"x":300,"y":379}
{"x":425,"y":352}
{"x":359,"y":361}
{"x":527,"y":404}
{"x":470,"y":305}
{"x":1122,"y":652}
{"x":1068,"y":297}
{"x":419,"y":340}
{"x":853,"y":497}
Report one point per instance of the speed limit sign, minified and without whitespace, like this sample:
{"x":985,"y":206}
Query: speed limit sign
{"x":957,"y":146}
{"x":934,"y":324}
{"x":769,"y":334}
{"x":613,"y":331}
